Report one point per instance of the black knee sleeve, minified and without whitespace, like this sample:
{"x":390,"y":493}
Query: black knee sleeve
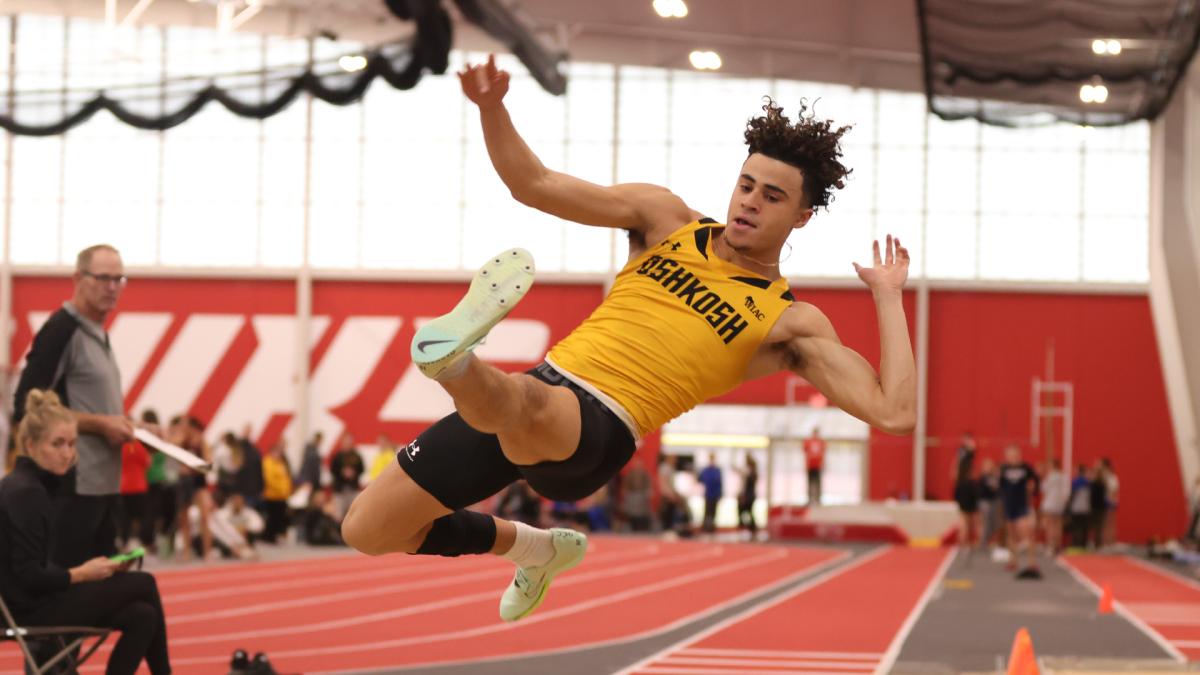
{"x":460,"y":533}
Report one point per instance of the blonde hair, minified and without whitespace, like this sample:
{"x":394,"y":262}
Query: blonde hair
{"x":43,"y":410}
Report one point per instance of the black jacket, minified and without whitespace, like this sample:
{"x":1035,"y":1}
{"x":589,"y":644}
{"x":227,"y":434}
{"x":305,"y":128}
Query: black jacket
{"x":26,"y":574}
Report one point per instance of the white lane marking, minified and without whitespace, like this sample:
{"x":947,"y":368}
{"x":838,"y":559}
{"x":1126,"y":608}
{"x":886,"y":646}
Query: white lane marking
{"x":1164,"y":572}
{"x":893,"y":650}
{"x":419,"y":585}
{"x":754,"y":610}
{"x":757,"y":663}
{"x":1129,"y":616}
{"x":669,"y":670}
{"x":638,"y":592}
{"x":771,"y":653}
{"x":432,"y":566}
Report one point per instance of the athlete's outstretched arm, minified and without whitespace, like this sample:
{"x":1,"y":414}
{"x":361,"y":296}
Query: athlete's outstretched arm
{"x":888,"y":401}
{"x":634,"y":206}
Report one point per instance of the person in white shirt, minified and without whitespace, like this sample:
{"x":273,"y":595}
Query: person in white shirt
{"x":234,"y":524}
{"x":1056,"y":490}
{"x":1114,"y":494}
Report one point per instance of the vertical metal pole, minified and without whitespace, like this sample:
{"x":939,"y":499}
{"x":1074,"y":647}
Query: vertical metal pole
{"x":304,"y":293}
{"x":6,"y":309}
{"x":919,"y":439}
{"x":62,"y":143}
{"x":616,"y":141}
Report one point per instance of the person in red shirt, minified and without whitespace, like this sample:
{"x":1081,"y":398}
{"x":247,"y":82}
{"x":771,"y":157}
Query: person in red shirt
{"x":814,"y":451}
{"x":135,"y":459}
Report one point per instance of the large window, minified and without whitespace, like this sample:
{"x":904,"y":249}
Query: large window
{"x":403,"y":179}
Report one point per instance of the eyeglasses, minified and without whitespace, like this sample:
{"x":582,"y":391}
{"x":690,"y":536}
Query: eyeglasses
{"x":106,"y":279}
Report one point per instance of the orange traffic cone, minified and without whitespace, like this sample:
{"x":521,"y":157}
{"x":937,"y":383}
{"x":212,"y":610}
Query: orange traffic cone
{"x":1106,"y":600}
{"x":1022,"y":660}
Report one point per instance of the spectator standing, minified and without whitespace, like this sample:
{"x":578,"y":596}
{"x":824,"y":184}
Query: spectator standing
{"x":1099,"y":497}
{"x":669,"y":500}
{"x":1018,"y":485}
{"x":387,"y":455}
{"x":310,"y":465}
{"x":229,"y":457}
{"x":1113,"y":484}
{"x":814,"y":453}
{"x":966,"y":492}
{"x":1192,"y":534}
{"x":711,"y":478}
{"x":98,"y":592}
{"x":346,"y":466}
{"x":156,"y":478}
{"x":188,"y":433}
{"x":249,"y":482}
{"x":135,"y":460}
{"x":1056,"y":490}
{"x":1079,"y":507}
{"x":277,"y":481}
{"x":990,"y":514}
{"x":72,"y":356}
{"x":748,"y":497}
{"x":635,"y":496}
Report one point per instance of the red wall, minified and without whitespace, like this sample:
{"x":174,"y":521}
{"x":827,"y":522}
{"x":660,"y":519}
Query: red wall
{"x":984,"y":350}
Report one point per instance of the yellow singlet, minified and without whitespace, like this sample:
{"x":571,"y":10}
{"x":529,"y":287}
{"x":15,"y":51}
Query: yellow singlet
{"x":678,"y":328}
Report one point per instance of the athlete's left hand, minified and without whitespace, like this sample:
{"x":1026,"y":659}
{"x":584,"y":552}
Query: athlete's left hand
{"x":888,"y":273}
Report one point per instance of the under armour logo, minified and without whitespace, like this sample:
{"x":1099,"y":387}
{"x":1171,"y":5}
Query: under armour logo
{"x":675,"y":246}
{"x":411,"y":450}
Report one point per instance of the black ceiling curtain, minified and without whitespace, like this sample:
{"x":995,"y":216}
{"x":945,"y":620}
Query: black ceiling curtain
{"x":1023,"y":62}
{"x":255,"y":95}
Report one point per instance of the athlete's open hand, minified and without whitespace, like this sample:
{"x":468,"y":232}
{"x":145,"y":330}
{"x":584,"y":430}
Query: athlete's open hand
{"x":889,"y":272}
{"x":484,"y":84}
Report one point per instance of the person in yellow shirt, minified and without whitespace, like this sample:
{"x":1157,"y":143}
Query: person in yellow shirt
{"x":699,"y":308}
{"x":387,"y":455}
{"x":277,"y":487}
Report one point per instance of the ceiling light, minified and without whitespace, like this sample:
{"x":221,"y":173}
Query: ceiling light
{"x":1099,"y":46}
{"x":670,"y":8}
{"x":1087,"y":93}
{"x":705,"y":60}
{"x":1100,"y":93}
{"x":1114,"y":47}
{"x":352,"y":63}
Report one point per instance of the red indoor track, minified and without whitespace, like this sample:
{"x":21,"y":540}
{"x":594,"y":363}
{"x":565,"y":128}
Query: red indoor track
{"x":850,"y":621}
{"x":356,"y":612}
{"x":1167,"y":605}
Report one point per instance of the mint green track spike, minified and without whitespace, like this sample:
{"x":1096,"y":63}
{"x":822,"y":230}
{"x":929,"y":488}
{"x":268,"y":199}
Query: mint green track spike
{"x":440,"y":346}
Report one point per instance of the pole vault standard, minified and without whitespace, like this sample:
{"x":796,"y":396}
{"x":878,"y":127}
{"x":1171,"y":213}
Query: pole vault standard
{"x":1045,"y":409}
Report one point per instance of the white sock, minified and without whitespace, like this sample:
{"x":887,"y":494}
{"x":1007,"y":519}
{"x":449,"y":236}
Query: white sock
{"x":455,"y":371}
{"x":533,"y":547}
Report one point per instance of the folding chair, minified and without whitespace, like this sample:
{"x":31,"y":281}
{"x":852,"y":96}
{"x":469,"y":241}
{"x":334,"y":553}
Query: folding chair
{"x":60,"y":634}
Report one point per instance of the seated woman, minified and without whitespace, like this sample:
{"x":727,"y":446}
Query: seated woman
{"x":98,"y":593}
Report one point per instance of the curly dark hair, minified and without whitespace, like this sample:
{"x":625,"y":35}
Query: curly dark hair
{"x":811,"y":145}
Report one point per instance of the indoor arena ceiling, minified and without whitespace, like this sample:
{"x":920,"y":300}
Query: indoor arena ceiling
{"x":869,"y":43}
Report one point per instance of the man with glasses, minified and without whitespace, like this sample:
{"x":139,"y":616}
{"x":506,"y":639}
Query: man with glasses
{"x":71,"y":355}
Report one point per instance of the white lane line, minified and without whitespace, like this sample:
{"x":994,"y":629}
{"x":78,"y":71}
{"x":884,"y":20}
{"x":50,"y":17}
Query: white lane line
{"x":669,"y":670}
{"x":1164,"y":572}
{"x":753,"y":611}
{"x":814,"y":568}
{"x":431,"y":566}
{"x":1121,"y":609}
{"x":771,"y":653}
{"x":434,"y":583}
{"x":638,"y":592}
{"x":757,"y":663}
{"x":893,"y":650}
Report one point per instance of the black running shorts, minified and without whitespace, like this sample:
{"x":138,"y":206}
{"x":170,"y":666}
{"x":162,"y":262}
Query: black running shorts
{"x":460,"y":466}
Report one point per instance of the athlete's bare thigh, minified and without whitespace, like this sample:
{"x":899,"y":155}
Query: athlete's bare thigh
{"x":550,"y":426}
{"x":392,"y":515}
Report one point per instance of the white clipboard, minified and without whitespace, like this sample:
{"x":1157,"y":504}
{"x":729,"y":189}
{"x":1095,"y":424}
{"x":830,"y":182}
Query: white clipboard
{"x":173,"y":451}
